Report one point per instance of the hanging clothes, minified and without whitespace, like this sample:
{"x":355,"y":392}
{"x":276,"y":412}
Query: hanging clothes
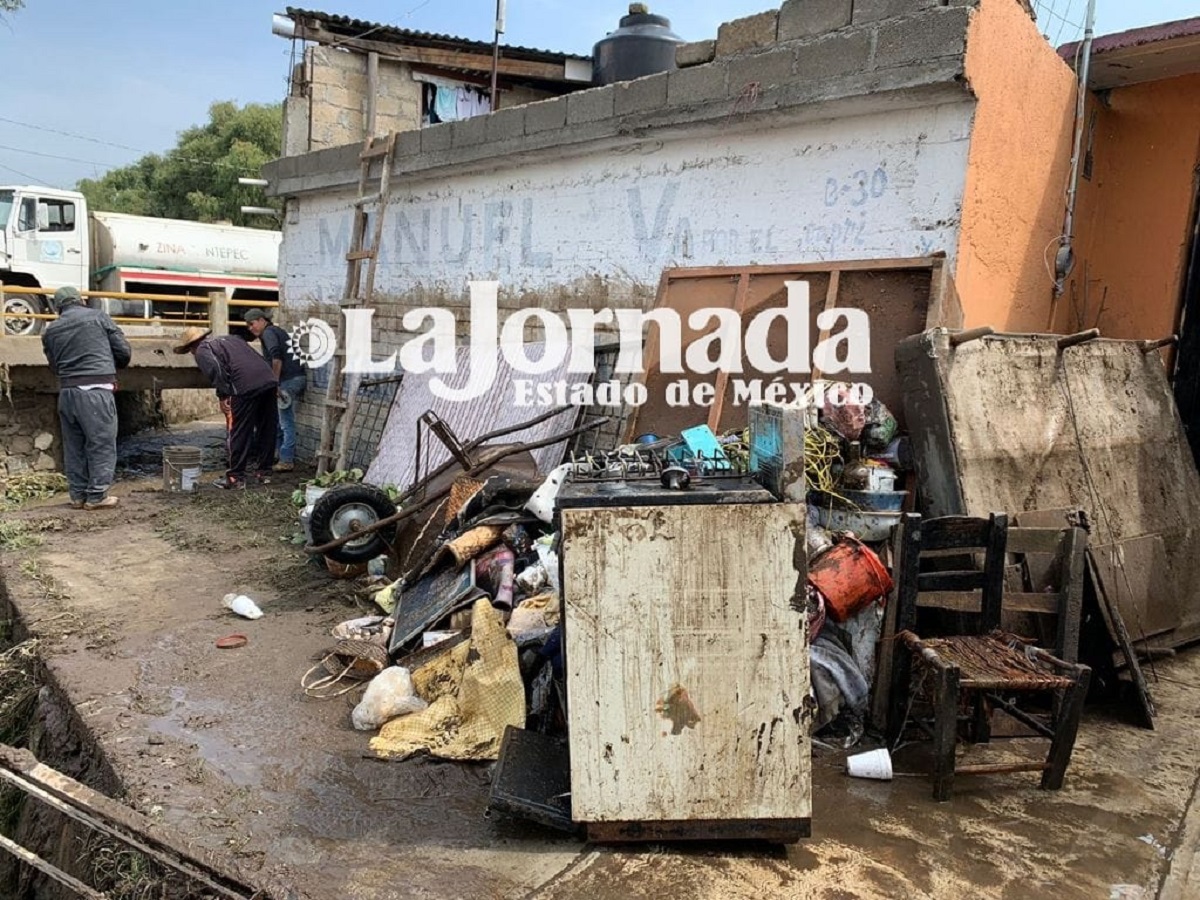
{"x":445,"y":104}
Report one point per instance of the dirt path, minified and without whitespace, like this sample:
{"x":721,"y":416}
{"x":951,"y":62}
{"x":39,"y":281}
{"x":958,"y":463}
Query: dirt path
{"x":224,"y":746}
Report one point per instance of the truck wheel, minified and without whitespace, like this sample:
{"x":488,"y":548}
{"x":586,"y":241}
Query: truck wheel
{"x":347,"y":509}
{"x":18,"y":305}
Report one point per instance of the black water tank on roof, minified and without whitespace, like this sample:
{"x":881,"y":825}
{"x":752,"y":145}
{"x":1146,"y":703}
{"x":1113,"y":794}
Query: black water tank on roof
{"x":643,"y":45}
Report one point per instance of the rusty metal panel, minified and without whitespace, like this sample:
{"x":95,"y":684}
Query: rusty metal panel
{"x":688,"y":681}
{"x":396,"y":459}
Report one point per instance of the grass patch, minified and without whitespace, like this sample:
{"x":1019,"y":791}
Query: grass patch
{"x":17,"y":489}
{"x":16,"y":536}
{"x":125,"y":874}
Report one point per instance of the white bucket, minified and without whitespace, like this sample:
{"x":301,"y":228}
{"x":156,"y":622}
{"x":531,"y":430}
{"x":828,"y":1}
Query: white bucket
{"x":313,"y":494}
{"x":181,"y":468}
{"x":876,"y":764}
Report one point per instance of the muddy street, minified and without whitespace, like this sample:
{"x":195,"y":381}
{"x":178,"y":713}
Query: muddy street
{"x":223,"y":745}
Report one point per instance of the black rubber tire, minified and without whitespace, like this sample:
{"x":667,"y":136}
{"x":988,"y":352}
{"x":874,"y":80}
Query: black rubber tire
{"x":325,"y":513}
{"x":37,"y":303}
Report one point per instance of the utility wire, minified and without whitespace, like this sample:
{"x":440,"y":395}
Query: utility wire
{"x":83,"y":137}
{"x":32,"y":179}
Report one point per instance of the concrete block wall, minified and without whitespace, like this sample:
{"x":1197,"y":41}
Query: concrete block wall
{"x":336,"y":89}
{"x":824,"y":130}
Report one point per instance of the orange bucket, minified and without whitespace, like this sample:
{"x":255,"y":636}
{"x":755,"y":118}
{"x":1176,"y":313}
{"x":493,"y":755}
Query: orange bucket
{"x":850,"y":576}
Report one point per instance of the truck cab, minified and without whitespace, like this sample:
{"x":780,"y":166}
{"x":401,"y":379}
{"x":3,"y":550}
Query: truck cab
{"x":44,"y":243}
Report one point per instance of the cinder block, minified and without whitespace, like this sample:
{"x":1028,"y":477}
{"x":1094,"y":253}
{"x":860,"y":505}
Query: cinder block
{"x":868,"y":11}
{"x":640,"y":95}
{"x":592,"y":105}
{"x":436,"y":138}
{"x":408,"y":143}
{"x":546,"y":115}
{"x":774,"y":67}
{"x":933,"y":34}
{"x":750,"y":33}
{"x":506,"y":124}
{"x":841,"y":53}
{"x":697,"y":53}
{"x":809,"y":18}
{"x":698,"y":84}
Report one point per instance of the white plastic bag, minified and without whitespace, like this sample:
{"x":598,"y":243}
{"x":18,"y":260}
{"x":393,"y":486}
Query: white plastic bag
{"x":390,"y":694}
{"x":549,"y":560}
{"x":242,"y":605}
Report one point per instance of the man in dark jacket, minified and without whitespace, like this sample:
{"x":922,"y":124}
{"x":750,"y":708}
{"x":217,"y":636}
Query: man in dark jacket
{"x":246,"y":388}
{"x":292,"y":381}
{"x":85,"y":348}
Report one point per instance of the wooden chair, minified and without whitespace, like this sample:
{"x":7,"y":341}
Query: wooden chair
{"x":980,"y":671}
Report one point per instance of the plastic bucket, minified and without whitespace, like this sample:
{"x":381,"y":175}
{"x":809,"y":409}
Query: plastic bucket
{"x":850,"y":576}
{"x":181,"y":468}
{"x":875,"y":764}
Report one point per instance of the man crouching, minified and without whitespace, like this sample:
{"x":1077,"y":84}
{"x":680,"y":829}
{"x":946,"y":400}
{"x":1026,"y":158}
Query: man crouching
{"x":245,"y":385}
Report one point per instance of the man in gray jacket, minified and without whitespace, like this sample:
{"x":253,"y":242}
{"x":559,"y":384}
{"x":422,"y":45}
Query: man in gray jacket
{"x":85,"y":348}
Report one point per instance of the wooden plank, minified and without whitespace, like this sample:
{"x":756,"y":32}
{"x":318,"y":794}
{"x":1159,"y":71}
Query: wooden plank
{"x":835,"y":280}
{"x":1116,"y":626}
{"x":1035,"y":540}
{"x":32,"y":859}
{"x":688,"y":681}
{"x":853,"y":265}
{"x":739,"y":306}
{"x":355,"y":255}
{"x":433,"y":56}
{"x":968,"y":602}
{"x":371,"y":116}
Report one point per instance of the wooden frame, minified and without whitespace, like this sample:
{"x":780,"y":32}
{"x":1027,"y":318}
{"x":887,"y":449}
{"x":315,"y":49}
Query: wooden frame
{"x":942,"y":308}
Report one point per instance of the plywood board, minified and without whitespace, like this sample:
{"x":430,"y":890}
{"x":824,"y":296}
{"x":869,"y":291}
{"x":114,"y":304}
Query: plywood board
{"x":688,"y":677}
{"x":902,"y":298}
{"x":1012,"y":423}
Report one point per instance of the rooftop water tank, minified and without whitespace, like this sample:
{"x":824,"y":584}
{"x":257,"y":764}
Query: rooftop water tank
{"x":643,"y":45}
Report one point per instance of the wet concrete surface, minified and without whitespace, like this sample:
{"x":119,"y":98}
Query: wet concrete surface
{"x":223,"y":744}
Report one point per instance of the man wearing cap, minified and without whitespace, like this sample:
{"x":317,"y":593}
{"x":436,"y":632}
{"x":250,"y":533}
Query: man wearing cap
{"x":290,"y":375}
{"x":85,"y":348}
{"x":246,"y":388}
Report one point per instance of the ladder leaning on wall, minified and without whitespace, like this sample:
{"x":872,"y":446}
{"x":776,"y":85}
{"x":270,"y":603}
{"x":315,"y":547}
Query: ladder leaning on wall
{"x":337,"y":419}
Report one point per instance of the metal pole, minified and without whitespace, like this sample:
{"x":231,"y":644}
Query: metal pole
{"x":1065,"y":260}
{"x":500,"y":11}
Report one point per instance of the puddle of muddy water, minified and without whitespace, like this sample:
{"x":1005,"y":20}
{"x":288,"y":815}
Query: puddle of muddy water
{"x":140,"y":455}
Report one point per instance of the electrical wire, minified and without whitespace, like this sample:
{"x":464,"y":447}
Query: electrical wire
{"x":217,"y":164}
{"x":32,"y":179}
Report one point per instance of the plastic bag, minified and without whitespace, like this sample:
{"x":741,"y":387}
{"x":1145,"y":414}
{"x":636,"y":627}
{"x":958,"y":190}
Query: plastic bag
{"x":389,"y":695}
{"x":844,"y":418}
{"x":242,"y":605}
{"x":548,"y":557}
{"x":880,"y":427}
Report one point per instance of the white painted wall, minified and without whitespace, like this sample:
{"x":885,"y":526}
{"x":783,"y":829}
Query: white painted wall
{"x":875,"y":186}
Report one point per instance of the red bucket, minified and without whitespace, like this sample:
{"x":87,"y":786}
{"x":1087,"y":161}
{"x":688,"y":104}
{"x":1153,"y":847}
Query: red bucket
{"x":850,"y":576}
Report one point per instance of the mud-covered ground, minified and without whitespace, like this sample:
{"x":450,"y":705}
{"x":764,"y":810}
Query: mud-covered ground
{"x":224,"y":746}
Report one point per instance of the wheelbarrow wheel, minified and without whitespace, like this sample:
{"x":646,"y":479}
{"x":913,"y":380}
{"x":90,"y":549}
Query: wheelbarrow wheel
{"x":350,"y":508}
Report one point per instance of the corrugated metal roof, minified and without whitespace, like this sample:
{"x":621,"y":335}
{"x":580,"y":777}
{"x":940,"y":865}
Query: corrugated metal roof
{"x":1154,"y":53}
{"x":346,"y":27}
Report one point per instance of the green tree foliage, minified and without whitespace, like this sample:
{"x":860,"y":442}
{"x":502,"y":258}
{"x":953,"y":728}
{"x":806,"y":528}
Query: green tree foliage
{"x":11,"y":5}
{"x":198,"y":179}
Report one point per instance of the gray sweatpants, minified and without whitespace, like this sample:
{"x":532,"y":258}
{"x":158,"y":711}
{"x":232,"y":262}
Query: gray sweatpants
{"x":89,"y":433}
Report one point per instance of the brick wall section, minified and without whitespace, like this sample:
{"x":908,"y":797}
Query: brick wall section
{"x":332,"y":111}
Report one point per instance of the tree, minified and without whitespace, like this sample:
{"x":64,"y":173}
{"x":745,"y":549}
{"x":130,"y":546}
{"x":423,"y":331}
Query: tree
{"x":198,"y":179}
{"x":11,"y":5}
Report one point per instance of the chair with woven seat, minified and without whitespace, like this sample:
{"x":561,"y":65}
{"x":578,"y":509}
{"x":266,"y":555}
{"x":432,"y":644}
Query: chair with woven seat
{"x":978,"y":673}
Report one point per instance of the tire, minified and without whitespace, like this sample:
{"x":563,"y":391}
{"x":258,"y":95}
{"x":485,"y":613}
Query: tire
{"x":363,"y":504}
{"x":23,"y":303}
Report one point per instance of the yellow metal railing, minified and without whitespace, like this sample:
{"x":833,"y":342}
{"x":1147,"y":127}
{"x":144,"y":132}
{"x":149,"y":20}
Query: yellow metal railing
{"x":216,"y":298}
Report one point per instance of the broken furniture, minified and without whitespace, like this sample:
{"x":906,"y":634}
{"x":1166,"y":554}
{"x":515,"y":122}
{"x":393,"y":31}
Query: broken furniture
{"x":1016,"y":422}
{"x":687,"y":668}
{"x":979,"y":672}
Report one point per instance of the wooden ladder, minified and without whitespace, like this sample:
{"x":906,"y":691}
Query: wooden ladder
{"x":337,"y":420}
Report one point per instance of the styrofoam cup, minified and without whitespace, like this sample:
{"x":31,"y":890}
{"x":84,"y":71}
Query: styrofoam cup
{"x":875,"y":764}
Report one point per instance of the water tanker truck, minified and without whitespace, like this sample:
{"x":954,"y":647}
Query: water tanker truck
{"x":50,"y":239}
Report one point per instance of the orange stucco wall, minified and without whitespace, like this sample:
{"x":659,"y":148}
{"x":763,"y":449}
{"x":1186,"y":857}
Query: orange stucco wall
{"x":1134,"y":216}
{"x":1017,"y":169}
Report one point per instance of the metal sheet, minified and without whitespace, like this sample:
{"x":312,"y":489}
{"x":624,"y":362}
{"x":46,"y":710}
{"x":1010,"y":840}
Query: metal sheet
{"x":396,"y":458}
